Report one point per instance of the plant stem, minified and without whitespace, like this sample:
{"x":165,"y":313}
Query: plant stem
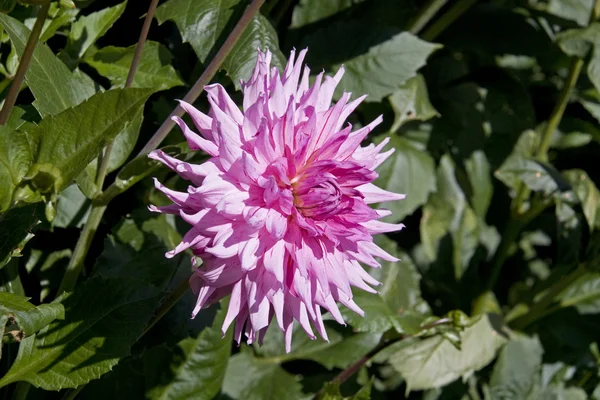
{"x":32,"y":41}
{"x":425,"y":15}
{"x":21,"y":390}
{"x":137,"y":56}
{"x":357,"y":365}
{"x":510,"y":235}
{"x":91,"y":225}
{"x":71,"y":394}
{"x":440,"y":25}
{"x":81,"y":248}
{"x":559,"y":109}
{"x":540,"y":309}
{"x":206,"y":76}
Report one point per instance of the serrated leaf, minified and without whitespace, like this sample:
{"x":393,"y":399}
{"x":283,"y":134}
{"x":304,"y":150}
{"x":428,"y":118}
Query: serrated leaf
{"x":588,"y":195}
{"x":29,"y":317}
{"x":409,"y":170}
{"x":516,"y":373}
{"x":411,"y":102}
{"x":435,"y":362}
{"x":73,"y":138}
{"x":583,"y":294}
{"x":386,"y":67}
{"x":123,"y":145}
{"x":54,"y":86}
{"x":16,"y":152}
{"x":249,"y":378}
{"x":154,"y":68}
{"x":199,"y":375}
{"x":103,"y":318}
{"x":89,"y":28}
{"x":447,"y":212}
{"x":205,"y":24}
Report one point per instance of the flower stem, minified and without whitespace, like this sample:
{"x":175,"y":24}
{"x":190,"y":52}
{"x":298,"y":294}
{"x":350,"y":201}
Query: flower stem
{"x":91,"y":225}
{"x":383,"y":343}
{"x":206,"y":76}
{"x":425,"y":15}
{"x":440,"y":25}
{"x":15,"y":87}
{"x":21,"y":390}
{"x":81,"y":248}
{"x":137,"y":55}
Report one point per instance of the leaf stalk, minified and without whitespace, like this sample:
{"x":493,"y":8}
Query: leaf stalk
{"x":32,"y":41}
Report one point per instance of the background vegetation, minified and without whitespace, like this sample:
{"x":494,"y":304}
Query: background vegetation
{"x":492,"y":106}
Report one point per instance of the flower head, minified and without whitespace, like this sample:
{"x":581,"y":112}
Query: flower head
{"x":280,"y":213}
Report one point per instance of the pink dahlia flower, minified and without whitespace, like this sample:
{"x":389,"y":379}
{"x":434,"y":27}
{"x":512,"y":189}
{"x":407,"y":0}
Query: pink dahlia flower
{"x":280,"y":213}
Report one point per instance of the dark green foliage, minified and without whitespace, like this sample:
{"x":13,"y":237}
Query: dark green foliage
{"x":493,"y":110}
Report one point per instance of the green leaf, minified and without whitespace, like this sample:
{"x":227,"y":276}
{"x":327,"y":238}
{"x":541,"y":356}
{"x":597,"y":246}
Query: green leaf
{"x":332,"y":392}
{"x":54,"y":86}
{"x":568,"y":233}
{"x":62,"y":18}
{"x":16,"y":152}
{"x":588,"y":195}
{"x":537,"y":176}
{"x":204,"y":24}
{"x":29,"y":317}
{"x":435,"y":361}
{"x":583,"y":294}
{"x":72,"y":208}
{"x":579,"y":42}
{"x":123,"y":145}
{"x":87,"y":29}
{"x":409,"y":170}
{"x":148,"y":263}
{"x":575,"y":10}
{"x":341,"y":350}
{"x":386,"y":67}
{"x":448,"y":213}
{"x":200,"y":373}
{"x":154,"y":69}
{"x":516,"y":373}
{"x":478,"y":171}
{"x":249,"y":378}
{"x":310,"y":11}
{"x":143,"y":166}
{"x":15,"y":231}
{"x":411,"y":102}
{"x":73,"y":138}
{"x":103,"y":318}
{"x":398,"y":304}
